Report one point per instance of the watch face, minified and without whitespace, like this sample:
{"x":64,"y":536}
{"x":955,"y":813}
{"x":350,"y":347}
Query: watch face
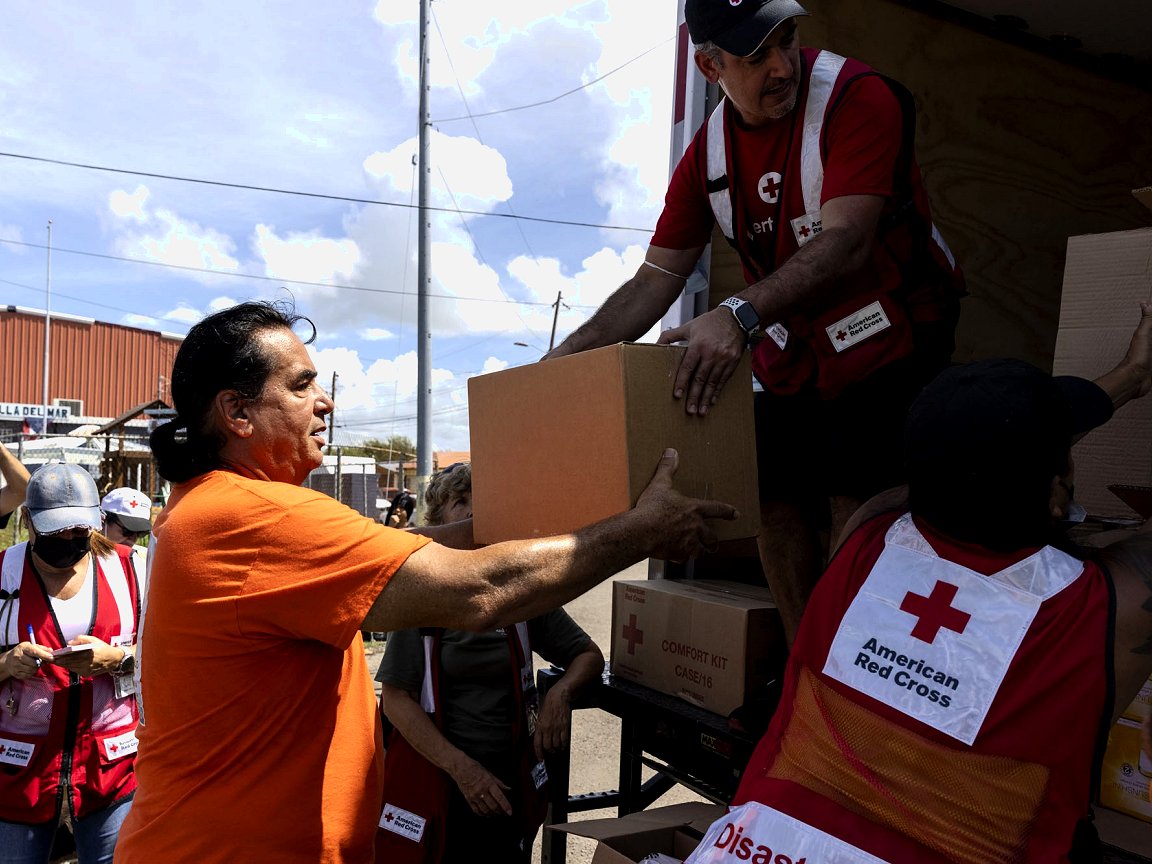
{"x":746,"y":315}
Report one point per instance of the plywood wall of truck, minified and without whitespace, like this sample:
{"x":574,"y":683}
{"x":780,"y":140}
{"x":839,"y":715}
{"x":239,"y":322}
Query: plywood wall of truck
{"x":1019,"y":150}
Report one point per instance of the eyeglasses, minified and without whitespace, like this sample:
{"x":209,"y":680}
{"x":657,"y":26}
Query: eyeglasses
{"x":127,"y":532}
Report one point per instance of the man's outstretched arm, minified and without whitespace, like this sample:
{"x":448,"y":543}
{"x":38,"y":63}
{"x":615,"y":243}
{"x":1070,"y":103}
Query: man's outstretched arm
{"x":485,"y":588}
{"x":635,"y":306}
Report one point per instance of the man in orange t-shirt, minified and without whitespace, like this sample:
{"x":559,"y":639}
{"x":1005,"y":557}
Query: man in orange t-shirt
{"x":260,"y":740}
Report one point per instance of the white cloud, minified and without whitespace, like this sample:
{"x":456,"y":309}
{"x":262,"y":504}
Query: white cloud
{"x":379,"y":399}
{"x":162,"y":235}
{"x":224,"y":302}
{"x":466,"y":173}
{"x":12,"y":232}
{"x":129,"y":205}
{"x":182,"y":314}
{"x":375,"y":334}
{"x":307,"y":257}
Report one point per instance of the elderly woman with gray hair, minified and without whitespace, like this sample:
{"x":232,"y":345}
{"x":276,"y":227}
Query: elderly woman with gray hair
{"x":464,"y":777}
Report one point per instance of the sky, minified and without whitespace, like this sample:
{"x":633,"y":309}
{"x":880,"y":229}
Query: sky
{"x":323,"y":98}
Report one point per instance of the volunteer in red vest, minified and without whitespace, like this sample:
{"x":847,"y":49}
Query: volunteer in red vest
{"x":961,"y":661}
{"x":469,"y":739}
{"x":807,"y":168}
{"x":67,"y":719}
{"x":127,"y":516}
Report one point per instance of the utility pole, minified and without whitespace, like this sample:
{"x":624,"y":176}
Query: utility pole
{"x":555,"y":315}
{"x":337,"y":486}
{"x":423,"y":277}
{"x":47,"y":328}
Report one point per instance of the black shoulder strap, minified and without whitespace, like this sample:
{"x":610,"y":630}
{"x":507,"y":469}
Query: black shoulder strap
{"x":901,"y":182}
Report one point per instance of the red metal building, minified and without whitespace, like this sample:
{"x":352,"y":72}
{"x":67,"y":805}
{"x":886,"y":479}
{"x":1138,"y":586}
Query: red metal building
{"x":108,"y":368}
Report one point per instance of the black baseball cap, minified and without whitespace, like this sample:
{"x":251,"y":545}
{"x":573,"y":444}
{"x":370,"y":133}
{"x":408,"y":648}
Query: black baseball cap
{"x":737,"y":26}
{"x":1001,"y":415}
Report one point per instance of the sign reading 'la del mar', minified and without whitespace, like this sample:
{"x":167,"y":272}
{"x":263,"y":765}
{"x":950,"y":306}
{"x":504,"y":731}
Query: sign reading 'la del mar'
{"x":20,"y":410}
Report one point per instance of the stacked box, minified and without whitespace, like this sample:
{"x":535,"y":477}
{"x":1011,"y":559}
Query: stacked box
{"x":713,"y":643}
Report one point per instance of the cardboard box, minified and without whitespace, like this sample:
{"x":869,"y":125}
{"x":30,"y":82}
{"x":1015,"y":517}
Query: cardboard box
{"x":674,"y":830}
{"x":1125,"y":776}
{"x":562,"y":444}
{"x":709,"y":642}
{"x":1141,"y":706}
{"x":1105,"y":279}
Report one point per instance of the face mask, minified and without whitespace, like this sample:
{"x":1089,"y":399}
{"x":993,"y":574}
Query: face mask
{"x":60,"y":552}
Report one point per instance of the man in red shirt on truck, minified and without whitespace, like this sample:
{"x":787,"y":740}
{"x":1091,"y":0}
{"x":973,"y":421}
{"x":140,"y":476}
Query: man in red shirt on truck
{"x":807,"y":167}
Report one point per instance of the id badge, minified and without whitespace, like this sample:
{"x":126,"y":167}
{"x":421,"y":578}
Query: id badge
{"x":124,"y":685}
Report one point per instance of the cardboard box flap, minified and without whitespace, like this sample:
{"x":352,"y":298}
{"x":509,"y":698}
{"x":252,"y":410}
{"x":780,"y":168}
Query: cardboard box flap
{"x":724,"y":592}
{"x":697,"y":814}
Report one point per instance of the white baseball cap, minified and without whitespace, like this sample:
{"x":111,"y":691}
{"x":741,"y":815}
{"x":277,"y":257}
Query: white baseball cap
{"x":132,"y":509}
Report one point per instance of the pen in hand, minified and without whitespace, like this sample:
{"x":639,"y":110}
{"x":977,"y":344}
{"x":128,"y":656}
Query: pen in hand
{"x":32,"y":639}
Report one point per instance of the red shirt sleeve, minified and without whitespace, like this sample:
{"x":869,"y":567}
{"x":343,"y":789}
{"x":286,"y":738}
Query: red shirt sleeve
{"x":686,"y":222}
{"x":863,"y":137}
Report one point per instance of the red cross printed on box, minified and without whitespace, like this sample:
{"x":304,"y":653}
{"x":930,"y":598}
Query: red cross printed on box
{"x":935,"y":612}
{"x":633,"y":634}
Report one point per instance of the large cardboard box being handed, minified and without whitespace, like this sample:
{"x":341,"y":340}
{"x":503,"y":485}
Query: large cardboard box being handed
{"x":564,"y":443}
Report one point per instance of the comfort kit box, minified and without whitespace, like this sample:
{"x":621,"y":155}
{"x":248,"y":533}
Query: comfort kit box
{"x":1126,"y":774}
{"x":564,"y":443}
{"x":709,"y":642}
{"x":674,"y":831}
{"x":1105,"y":280}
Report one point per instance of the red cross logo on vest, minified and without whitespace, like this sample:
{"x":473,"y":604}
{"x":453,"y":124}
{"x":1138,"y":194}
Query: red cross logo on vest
{"x":841,"y":335}
{"x":804,"y":231}
{"x":633,"y":634}
{"x":3,"y":749}
{"x":113,"y":748}
{"x":935,"y":612}
{"x":388,"y":817}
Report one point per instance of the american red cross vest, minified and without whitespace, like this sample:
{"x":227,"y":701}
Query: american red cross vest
{"x":63,"y":737}
{"x":945,"y":704}
{"x":912,"y":277}
{"x":413,"y":819}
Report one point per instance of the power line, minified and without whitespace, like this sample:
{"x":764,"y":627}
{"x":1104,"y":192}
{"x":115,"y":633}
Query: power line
{"x":281,"y":281}
{"x":345,"y":198}
{"x":471,"y":116}
{"x":452,"y":195}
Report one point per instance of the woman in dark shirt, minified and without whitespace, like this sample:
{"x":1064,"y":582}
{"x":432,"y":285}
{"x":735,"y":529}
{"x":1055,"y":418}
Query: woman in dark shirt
{"x":473,"y":746}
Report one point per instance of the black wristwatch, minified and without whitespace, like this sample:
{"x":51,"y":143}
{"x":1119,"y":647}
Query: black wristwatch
{"x":127,"y":664}
{"x":744,"y":313}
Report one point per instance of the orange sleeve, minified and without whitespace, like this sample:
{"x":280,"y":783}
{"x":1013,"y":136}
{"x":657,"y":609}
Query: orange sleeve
{"x":319,"y":572}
